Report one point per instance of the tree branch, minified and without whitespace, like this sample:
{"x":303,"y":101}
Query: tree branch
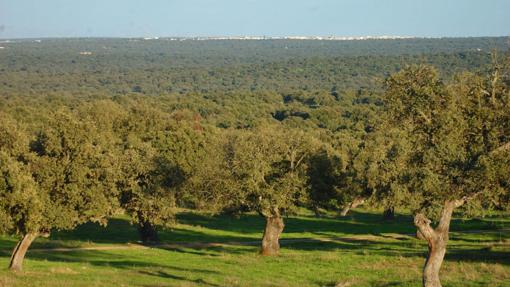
{"x":301,"y":159}
{"x":423,"y":225}
{"x":449,"y":206}
{"x":357,"y":202}
{"x":446,"y":214}
{"x":494,"y":83}
{"x":503,"y":148}
{"x":466,"y":198}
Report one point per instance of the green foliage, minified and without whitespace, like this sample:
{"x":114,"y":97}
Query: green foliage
{"x":453,"y":135}
{"x":21,"y":208}
{"x":140,"y":177}
{"x":57,"y":179}
{"x":262,"y":169}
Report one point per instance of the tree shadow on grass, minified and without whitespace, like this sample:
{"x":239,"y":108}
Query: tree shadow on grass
{"x":109,"y":259}
{"x":178,"y":278}
{"x":213,"y":251}
{"x":184,"y":236}
{"x":125,"y":262}
{"x":358,"y":222}
{"x":408,"y":248}
{"x":223,"y":228}
{"x":244,"y":224}
{"x":484,"y":255}
{"x":118,"y":230}
{"x":245,"y":232}
{"x":480,"y":238}
{"x":253,"y":225}
{"x":247,"y":227}
{"x":358,"y":246}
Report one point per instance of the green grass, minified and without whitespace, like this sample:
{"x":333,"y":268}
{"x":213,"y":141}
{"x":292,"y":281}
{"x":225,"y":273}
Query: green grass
{"x":360,"y":250}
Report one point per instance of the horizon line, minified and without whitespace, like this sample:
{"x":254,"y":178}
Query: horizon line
{"x":256,"y":37}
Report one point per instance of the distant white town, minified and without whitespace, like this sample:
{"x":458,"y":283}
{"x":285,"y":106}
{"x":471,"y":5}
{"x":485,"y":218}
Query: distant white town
{"x":205,"y":38}
{"x":321,"y":38}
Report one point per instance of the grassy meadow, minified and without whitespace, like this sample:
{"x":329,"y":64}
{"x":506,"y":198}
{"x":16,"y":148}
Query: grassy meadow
{"x":358,"y":250}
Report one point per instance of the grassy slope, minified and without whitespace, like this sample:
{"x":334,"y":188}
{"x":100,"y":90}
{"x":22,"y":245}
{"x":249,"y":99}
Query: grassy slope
{"x":361,"y":249}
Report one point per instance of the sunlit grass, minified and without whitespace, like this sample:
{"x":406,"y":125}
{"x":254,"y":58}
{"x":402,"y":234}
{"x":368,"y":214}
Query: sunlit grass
{"x":359,"y":250}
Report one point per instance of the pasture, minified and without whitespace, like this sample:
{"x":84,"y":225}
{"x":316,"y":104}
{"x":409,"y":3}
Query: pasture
{"x":361,"y":249}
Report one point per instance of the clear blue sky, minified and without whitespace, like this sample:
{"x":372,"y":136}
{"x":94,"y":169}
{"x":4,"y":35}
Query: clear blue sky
{"x":131,"y":18}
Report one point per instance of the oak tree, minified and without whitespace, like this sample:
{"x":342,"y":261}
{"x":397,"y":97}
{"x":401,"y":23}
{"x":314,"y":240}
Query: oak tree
{"x":262,"y":170}
{"x":456,"y":136}
{"x":56,"y":179}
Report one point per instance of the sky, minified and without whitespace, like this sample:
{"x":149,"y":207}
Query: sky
{"x":150,"y":18}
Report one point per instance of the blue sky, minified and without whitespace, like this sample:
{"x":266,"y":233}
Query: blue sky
{"x":138,"y":18}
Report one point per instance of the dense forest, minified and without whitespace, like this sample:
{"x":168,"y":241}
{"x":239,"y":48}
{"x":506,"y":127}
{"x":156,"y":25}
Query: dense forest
{"x":156,"y":67}
{"x":93,"y":127}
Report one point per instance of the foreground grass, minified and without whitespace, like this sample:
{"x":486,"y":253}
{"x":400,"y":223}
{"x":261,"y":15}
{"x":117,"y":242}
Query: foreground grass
{"x":360,"y":250}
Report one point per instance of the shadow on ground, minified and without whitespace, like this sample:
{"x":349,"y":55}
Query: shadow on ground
{"x":362,"y":233}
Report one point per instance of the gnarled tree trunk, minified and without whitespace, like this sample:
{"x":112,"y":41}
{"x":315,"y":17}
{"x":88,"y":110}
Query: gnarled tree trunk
{"x":437,"y":240}
{"x":148,"y":233}
{"x":355,"y":203}
{"x":345,"y":210}
{"x":437,"y":250}
{"x":18,"y":254}
{"x":419,"y":235}
{"x":270,"y":241}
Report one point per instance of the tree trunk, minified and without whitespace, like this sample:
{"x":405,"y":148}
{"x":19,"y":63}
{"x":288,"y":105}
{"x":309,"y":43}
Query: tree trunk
{"x":389,"y":213}
{"x":148,"y":233}
{"x":355,"y":203}
{"x":316,"y":211}
{"x":270,"y":241}
{"x":437,"y":240}
{"x":419,"y":235}
{"x":18,"y":254}
{"x":345,"y":210}
{"x":437,"y":250}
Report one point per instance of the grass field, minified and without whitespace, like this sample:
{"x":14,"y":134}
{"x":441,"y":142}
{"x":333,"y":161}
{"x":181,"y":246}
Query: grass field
{"x":358,"y":250}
